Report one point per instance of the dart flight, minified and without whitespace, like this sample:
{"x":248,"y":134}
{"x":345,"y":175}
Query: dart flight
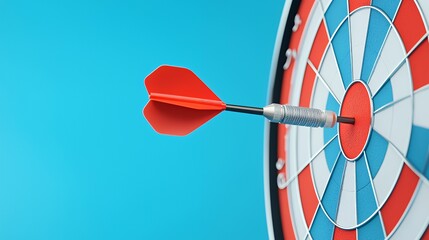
{"x":179,"y":103}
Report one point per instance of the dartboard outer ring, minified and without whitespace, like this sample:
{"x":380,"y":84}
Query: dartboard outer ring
{"x":409,"y":174}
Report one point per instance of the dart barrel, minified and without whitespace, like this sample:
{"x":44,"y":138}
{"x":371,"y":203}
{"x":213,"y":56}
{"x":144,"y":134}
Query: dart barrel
{"x":309,"y":117}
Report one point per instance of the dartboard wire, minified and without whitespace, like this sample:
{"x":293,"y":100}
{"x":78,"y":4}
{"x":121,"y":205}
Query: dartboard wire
{"x":323,"y":80}
{"x":390,"y":104}
{"x":319,"y":198}
{"x":424,"y":228}
{"x":404,"y":159}
{"x":407,"y":210}
{"x":402,"y":62}
{"x":326,"y":183}
{"x":291,"y":179}
{"x":341,"y":188}
{"x":378,"y":54}
{"x":350,"y":41}
{"x":427,"y":161}
{"x":387,"y":34}
{"x":374,"y":192}
{"x":422,"y":15}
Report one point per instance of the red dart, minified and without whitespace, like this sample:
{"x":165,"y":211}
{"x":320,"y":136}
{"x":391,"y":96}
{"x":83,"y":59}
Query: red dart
{"x":179,"y":102}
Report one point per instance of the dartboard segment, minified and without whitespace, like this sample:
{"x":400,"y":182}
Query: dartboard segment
{"x":418,"y":62}
{"x":408,"y":13}
{"x":359,"y":21}
{"x":354,"y":182}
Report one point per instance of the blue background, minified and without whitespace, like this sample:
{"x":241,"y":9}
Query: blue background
{"x":77,"y":158}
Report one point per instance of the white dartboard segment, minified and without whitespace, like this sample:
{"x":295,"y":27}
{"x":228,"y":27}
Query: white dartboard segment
{"x":421,"y":108}
{"x":387,"y":176}
{"x":359,"y":21}
{"x":346,"y":216}
{"x":401,"y":82}
{"x":394,"y":123}
{"x":331,"y":75}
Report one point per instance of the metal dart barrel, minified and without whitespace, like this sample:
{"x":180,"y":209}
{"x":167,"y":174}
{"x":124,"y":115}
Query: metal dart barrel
{"x":309,"y":117}
{"x":286,"y":114}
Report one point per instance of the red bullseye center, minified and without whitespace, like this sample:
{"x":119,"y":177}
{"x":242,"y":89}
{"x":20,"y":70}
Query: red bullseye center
{"x":357,"y":103}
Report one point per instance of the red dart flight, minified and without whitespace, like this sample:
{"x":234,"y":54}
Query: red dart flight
{"x":179,"y":102}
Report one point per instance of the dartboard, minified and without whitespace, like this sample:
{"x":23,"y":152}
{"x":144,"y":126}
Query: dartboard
{"x":363,"y":59}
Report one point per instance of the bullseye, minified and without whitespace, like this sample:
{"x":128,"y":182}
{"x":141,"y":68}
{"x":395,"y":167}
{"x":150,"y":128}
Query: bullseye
{"x":357,"y":103}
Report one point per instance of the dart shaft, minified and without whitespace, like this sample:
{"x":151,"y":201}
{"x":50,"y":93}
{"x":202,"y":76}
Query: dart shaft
{"x":345,"y":120}
{"x":244,"y":109}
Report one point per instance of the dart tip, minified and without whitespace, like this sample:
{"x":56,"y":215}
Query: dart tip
{"x":347,"y":120}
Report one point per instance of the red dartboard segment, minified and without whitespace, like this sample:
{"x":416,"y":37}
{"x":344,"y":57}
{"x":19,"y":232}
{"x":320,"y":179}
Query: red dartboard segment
{"x":344,"y":234}
{"x":409,"y":23}
{"x":287,"y":225}
{"x":307,"y":87}
{"x":319,"y":45}
{"x":419,"y":62}
{"x":355,"y":4}
{"x":399,"y":199}
{"x":308,"y":195}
